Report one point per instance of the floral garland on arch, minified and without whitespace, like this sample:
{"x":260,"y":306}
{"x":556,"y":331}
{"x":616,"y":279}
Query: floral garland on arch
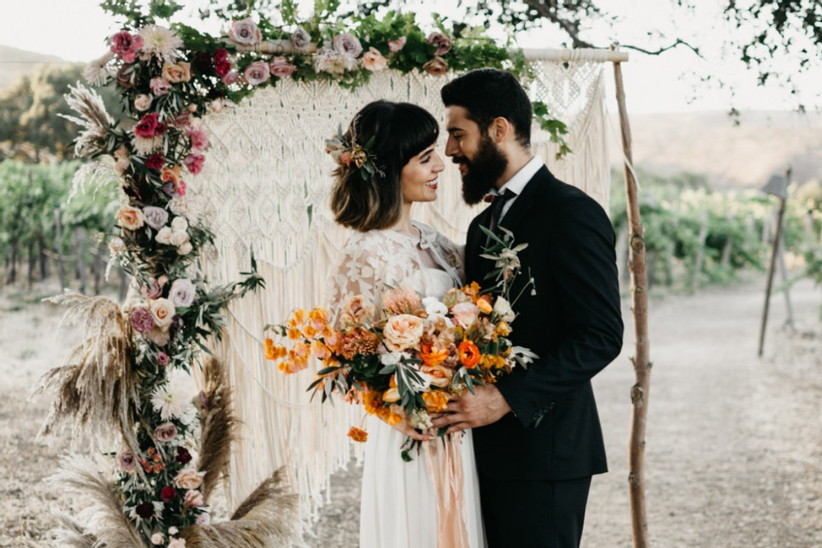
{"x":129,"y":375}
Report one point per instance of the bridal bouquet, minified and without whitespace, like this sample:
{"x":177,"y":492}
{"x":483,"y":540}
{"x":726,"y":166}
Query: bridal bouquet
{"x":405,"y":360}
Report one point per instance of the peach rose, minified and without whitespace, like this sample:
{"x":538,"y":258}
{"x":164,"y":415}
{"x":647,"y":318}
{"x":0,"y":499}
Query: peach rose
{"x":355,"y":311}
{"x":188,"y":478}
{"x":130,"y":218}
{"x":402,"y":332}
{"x":465,"y":313}
{"x":162,"y":310}
{"x":436,"y":66}
{"x":438,"y":375}
{"x":373,"y":60}
{"x":176,"y":72}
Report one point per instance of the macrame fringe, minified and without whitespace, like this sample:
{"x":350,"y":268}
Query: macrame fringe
{"x":266,"y":189}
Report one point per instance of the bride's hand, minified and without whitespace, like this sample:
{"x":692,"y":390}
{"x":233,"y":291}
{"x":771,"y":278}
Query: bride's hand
{"x":406,"y":428}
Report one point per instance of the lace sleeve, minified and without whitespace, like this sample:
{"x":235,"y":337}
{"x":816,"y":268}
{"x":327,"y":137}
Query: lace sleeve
{"x":357,"y":273}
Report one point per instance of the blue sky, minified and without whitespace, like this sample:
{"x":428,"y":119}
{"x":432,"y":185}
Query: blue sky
{"x":76,"y":30}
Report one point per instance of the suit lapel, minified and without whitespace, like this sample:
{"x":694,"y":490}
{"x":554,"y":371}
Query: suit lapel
{"x":530,"y":196}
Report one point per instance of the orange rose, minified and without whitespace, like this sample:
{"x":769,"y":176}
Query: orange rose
{"x":432,"y":356}
{"x":469,"y":354}
{"x":358,"y":434}
{"x":130,"y":218}
{"x":435,"y":401}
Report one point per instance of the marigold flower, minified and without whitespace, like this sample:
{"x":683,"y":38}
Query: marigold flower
{"x":371,"y":401}
{"x":435,"y":401}
{"x":469,"y":354}
{"x":385,"y":414}
{"x":431,"y":355}
{"x":358,"y":434}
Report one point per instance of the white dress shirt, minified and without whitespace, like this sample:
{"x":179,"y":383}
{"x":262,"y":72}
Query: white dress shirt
{"x":517,"y":183}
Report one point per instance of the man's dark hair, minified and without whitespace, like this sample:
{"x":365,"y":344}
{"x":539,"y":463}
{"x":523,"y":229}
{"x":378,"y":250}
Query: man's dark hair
{"x":400,"y":131}
{"x":491,"y":93}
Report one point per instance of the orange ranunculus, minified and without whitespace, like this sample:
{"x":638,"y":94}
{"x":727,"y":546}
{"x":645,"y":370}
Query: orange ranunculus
{"x":432,"y":356}
{"x":358,"y":434}
{"x":435,"y":401}
{"x":484,"y":304}
{"x":469,"y":354}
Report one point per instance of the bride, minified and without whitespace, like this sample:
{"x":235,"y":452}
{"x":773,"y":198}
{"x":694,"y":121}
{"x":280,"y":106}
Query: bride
{"x":386,"y":163}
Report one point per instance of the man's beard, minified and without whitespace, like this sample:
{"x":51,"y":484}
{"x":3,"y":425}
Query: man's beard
{"x":482,"y":172}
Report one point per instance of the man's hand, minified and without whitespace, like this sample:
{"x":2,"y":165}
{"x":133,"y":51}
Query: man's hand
{"x":485,"y":406}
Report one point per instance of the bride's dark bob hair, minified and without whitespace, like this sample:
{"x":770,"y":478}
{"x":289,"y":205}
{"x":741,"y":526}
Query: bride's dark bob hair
{"x":400,"y":132}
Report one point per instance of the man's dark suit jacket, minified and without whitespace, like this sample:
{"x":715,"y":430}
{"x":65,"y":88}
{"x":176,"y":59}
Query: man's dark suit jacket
{"x":573,"y":323}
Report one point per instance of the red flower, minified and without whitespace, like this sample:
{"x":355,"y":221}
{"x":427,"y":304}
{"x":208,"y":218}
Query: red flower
{"x":220,"y":54}
{"x":168,"y":493}
{"x":183,"y":456}
{"x":194,"y":163}
{"x":147,"y":127}
{"x":155,"y":161}
{"x":145,"y":510}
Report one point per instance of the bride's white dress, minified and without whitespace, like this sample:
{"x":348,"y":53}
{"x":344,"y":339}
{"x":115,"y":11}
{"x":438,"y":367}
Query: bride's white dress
{"x":399,"y":500}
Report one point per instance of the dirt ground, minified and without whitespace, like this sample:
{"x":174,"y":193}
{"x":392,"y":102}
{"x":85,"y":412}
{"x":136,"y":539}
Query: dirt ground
{"x":734,"y":444}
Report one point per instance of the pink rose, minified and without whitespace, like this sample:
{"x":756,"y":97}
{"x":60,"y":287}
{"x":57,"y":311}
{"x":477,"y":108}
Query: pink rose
{"x":193,"y":498}
{"x":402,"y":332}
{"x":159,"y":86}
{"x":126,"y":461}
{"x":157,"y":539}
{"x":130,"y":218}
{"x":188,"y":478}
{"x":396,"y":45}
{"x":245,"y":32}
{"x":198,"y":138}
{"x":465,"y":313}
{"x":153,"y":288}
{"x":440,"y":41}
{"x":256,"y":73}
{"x":373,"y":60}
{"x":194,"y":164}
{"x":126,"y":46}
{"x":116,"y":245}
{"x":162,"y":359}
{"x":347,"y":44}
{"x":281,"y":68}
{"x":141,"y":320}
{"x":165,"y":432}
{"x":231,"y":77}
{"x":436,"y":66}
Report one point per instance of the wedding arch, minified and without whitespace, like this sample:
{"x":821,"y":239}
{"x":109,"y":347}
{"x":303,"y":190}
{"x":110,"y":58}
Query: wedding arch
{"x":255,"y":211}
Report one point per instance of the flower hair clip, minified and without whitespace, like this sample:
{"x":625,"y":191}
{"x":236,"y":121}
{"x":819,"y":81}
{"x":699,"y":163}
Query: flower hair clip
{"x":351,"y":154}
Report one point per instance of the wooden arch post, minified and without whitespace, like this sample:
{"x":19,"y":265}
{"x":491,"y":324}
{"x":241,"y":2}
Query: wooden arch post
{"x":639,"y":302}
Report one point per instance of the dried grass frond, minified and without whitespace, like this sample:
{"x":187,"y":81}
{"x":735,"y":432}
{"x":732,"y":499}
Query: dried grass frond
{"x":217,"y":425}
{"x":267,"y":518}
{"x":94,"y":119}
{"x":95,"y":390}
{"x":70,"y":534}
{"x":102,"y":515}
{"x":93,"y":174}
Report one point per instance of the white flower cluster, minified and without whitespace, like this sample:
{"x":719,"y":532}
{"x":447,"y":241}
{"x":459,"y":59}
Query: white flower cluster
{"x":176,"y":235}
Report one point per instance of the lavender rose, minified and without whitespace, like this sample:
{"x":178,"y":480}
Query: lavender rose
{"x":300,"y":40}
{"x":440,"y":41}
{"x":182,"y":293}
{"x":165,"y":432}
{"x":347,"y":44}
{"x":155,"y":217}
{"x":159,"y":86}
{"x":245,"y":32}
{"x":256,"y":73}
{"x":141,"y":320}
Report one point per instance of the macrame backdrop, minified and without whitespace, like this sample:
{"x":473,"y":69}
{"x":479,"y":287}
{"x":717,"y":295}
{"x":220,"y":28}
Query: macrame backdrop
{"x":265,"y":189}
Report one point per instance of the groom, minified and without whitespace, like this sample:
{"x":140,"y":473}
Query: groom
{"x":537,"y":436}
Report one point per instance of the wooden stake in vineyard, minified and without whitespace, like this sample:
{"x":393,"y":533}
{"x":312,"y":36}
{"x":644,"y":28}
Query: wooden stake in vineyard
{"x":639,"y":301}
